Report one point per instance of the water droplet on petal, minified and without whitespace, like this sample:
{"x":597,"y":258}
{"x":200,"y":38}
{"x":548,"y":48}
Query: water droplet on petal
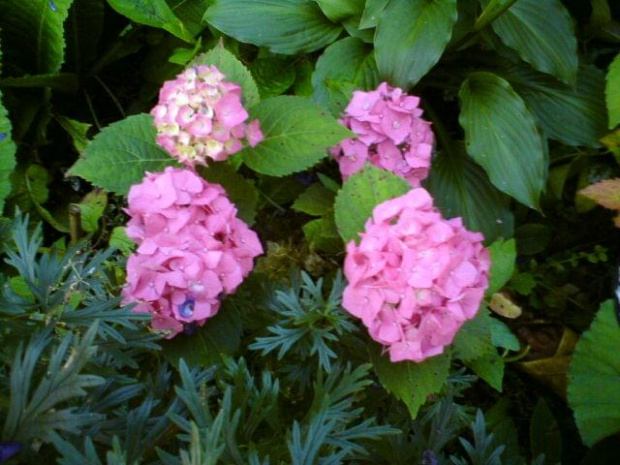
{"x":366,"y":106}
{"x":396,"y":124}
{"x":186,"y":309}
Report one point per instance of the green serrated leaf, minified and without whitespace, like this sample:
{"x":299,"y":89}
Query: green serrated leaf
{"x":542,"y":34}
{"x":120,"y":241}
{"x":154,"y":13}
{"x":490,"y":368}
{"x":297,"y":134}
{"x":411,"y":382}
{"x":121,"y":153}
{"x":360,"y":194}
{"x":273,"y":75}
{"x":501,"y":135}
{"x":459,"y":187}
{"x":594,"y":378}
{"x":503,"y":256}
{"x":7,"y":154}
{"x":234,"y":70}
{"x":474,"y":338}
{"x":410,"y":38}
{"x":316,"y":200}
{"x":612,"y":92}
{"x":572,"y":115}
{"x":323,"y":235}
{"x":220,"y":335}
{"x":348,"y":61}
{"x":241,"y":192}
{"x":33,"y":36}
{"x":502,"y":336}
{"x":190,"y":13}
{"x":76,"y":129}
{"x":92,"y":207}
{"x":284,"y":26}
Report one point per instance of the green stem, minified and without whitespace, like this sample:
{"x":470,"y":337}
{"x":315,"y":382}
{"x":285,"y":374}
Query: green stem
{"x":488,"y":15}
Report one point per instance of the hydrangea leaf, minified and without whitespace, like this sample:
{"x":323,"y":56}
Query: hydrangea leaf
{"x":284,"y":26}
{"x":33,"y":35}
{"x":411,"y":382}
{"x":92,"y":207}
{"x":594,"y":378}
{"x":240,"y":191}
{"x":474,"y":338}
{"x":360,"y":194}
{"x":273,"y":76}
{"x":490,"y":368}
{"x":190,"y":13}
{"x":574,"y":115}
{"x":606,"y":193}
{"x":154,"y":13}
{"x":7,"y":154}
{"x":503,"y":256}
{"x":119,"y":240}
{"x":296,"y":133}
{"x":542,"y":34}
{"x":317,"y":200}
{"x":234,"y":70}
{"x":220,"y":335}
{"x":501,"y":135}
{"x":410,"y":38}
{"x":612,"y":92}
{"x":502,"y":336}
{"x":120,"y":154}
{"x":348,"y":61}
{"x":459,"y":186}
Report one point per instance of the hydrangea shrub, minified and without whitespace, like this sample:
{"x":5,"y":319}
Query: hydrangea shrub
{"x":192,"y":248}
{"x":415,"y":278}
{"x":200,"y":116}
{"x":390,"y":134}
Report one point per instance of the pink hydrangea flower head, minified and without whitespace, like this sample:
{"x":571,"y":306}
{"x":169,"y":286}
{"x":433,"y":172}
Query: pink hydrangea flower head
{"x":192,"y":248}
{"x":200,"y":115}
{"x":415,"y":277}
{"x":390,"y":134}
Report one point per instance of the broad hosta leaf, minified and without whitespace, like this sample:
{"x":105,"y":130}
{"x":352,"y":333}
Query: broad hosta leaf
{"x":190,"y":13}
{"x":503,"y":256}
{"x":462,"y":188}
{"x":360,"y":194}
{"x":411,"y":36}
{"x":572,"y":115}
{"x":7,"y":154}
{"x":349,"y":61}
{"x":32,"y":35}
{"x":594,"y":378}
{"x":411,"y":382}
{"x":119,"y":155}
{"x":234,"y":70}
{"x":612,"y":92}
{"x":240,"y":191}
{"x":372,"y":13}
{"x":542,"y":34}
{"x":284,"y":26}
{"x":501,"y":135}
{"x":221,"y":335}
{"x":154,"y":13}
{"x":273,"y":75}
{"x":297,"y":134}
{"x":339,"y":10}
